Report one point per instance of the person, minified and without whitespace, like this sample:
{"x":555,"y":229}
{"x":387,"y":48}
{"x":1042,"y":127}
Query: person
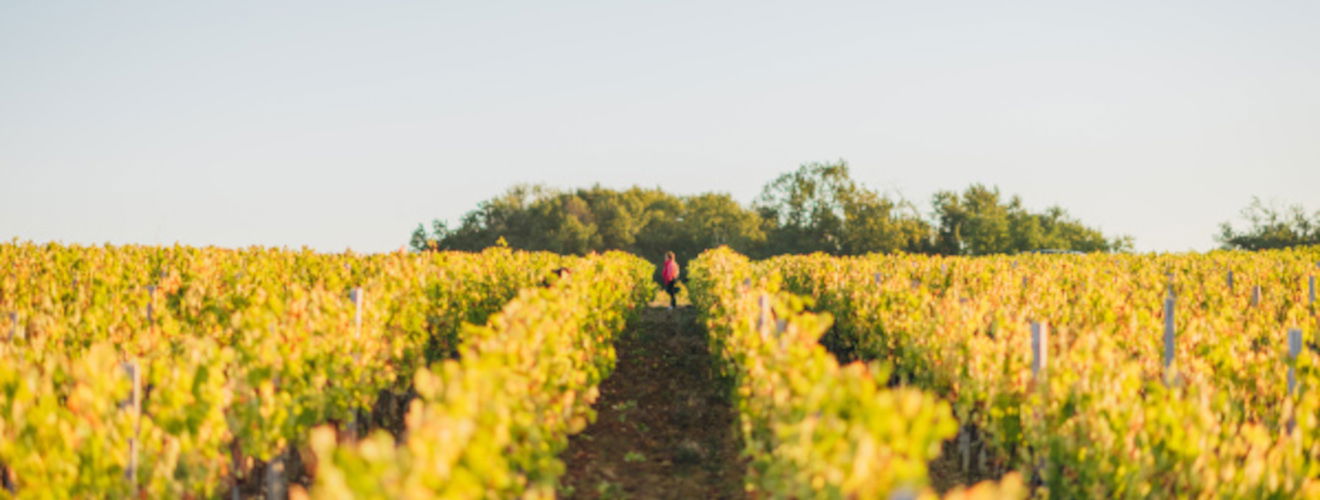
{"x":669,"y":275}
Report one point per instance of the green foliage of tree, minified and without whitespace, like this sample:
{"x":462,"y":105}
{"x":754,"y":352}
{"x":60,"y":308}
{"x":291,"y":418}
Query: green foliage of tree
{"x":646,"y":222}
{"x":802,"y":211}
{"x":817,"y":208}
{"x":979,"y":222}
{"x":1271,"y":227}
{"x":820,"y":208}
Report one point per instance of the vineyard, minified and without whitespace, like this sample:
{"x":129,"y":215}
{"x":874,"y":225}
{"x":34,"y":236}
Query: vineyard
{"x":1101,"y":376}
{"x":178,"y":372}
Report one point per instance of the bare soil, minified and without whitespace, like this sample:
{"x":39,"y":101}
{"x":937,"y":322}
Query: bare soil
{"x":665,"y":427}
{"x":964,"y":465}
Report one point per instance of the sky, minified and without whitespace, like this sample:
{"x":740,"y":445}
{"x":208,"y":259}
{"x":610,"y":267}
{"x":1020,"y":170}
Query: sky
{"x":338,"y":125}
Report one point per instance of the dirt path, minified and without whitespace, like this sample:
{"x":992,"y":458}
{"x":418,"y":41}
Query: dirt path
{"x":664,"y":428}
{"x":981,"y":463}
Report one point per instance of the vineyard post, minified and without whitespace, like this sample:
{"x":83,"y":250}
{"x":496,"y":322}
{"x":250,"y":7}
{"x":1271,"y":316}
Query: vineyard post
{"x":1040,"y":336}
{"x":1039,"y":350}
{"x":1294,"y":349}
{"x":13,"y":325}
{"x":763,"y":320}
{"x":356,"y":296}
{"x":879,"y":278}
{"x":136,"y":404}
{"x":1255,"y":296}
{"x":1168,"y":335}
{"x":1230,"y":280}
{"x":965,"y":447}
{"x":1312,"y":288}
{"x":275,"y":476}
{"x":151,"y":299}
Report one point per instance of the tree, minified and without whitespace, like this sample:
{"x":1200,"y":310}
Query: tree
{"x":820,"y":208}
{"x":973,"y":223}
{"x":1271,"y":227}
{"x":877,"y":223}
{"x":816,"y":208}
{"x":566,"y":225}
{"x":647,"y":222}
{"x":420,"y":240}
{"x":978,"y":222}
{"x":689,"y":225}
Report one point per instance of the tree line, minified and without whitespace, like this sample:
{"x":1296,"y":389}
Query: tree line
{"x":1271,"y":227}
{"x":817,"y":208}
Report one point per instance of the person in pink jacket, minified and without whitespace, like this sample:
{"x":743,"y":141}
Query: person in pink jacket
{"x":670,"y":277}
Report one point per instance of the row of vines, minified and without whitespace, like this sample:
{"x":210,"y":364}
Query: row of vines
{"x":813,"y":428}
{"x":492,"y":423}
{"x":176,"y":371}
{"x":1155,"y":375}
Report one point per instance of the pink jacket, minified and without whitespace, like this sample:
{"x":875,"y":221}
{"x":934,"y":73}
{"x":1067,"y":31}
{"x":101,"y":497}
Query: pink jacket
{"x":671,"y":271}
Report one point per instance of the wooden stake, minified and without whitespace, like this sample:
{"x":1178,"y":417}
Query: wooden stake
{"x":1039,"y":350}
{"x":965,"y":448}
{"x":275,"y":477}
{"x":1294,"y":349}
{"x":1168,"y":332}
{"x":357,"y":296}
{"x":1312,"y":287}
{"x":763,"y":319}
{"x":136,"y":404}
{"x":1039,"y":363}
{"x":1230,"y":281}
{"x":1255,"y":296}
{"x":151,"y":299}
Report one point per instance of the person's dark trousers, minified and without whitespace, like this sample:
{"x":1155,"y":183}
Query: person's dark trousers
{"x":672,"y":288}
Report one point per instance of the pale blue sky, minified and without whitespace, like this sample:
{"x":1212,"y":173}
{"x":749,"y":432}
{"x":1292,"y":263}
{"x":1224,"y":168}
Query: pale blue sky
{"x":344,"y":124}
